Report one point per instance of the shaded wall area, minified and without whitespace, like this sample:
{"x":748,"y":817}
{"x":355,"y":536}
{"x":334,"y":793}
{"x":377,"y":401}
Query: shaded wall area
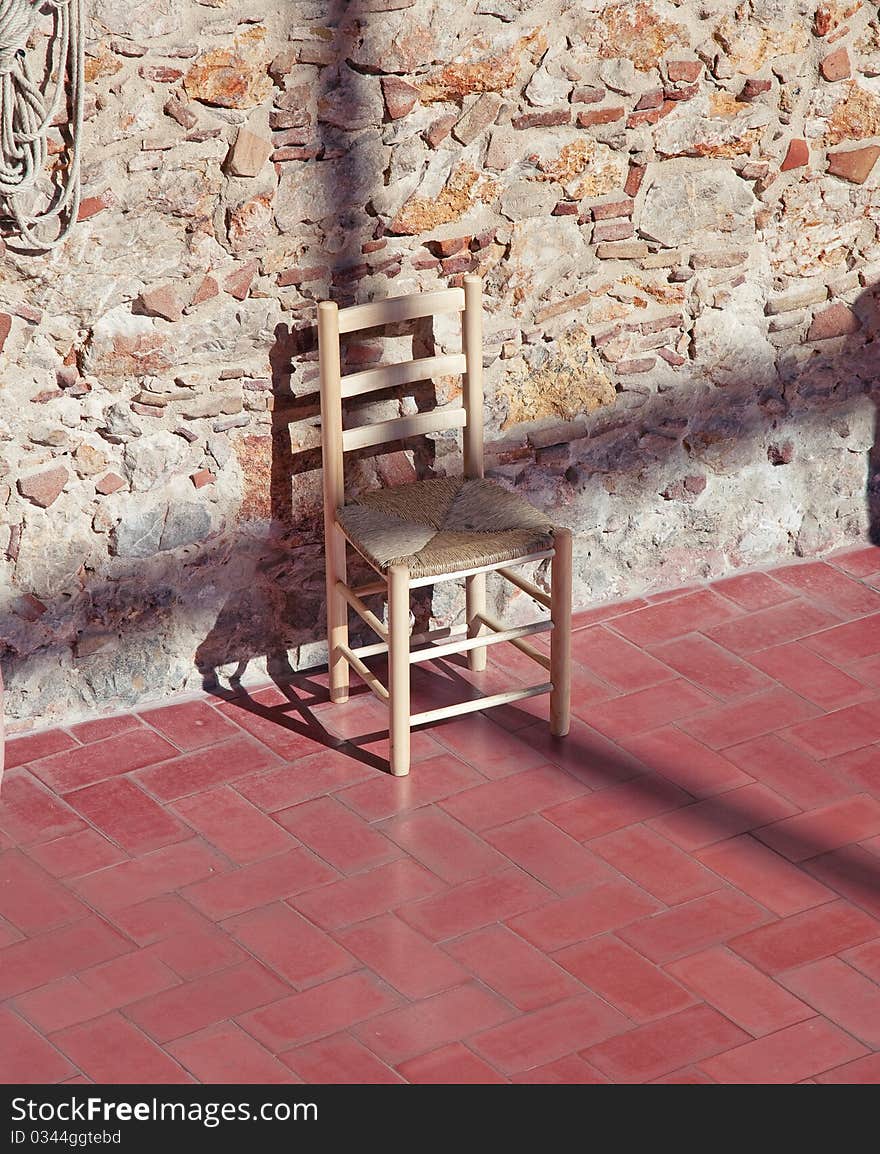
{"x":675,"y":212}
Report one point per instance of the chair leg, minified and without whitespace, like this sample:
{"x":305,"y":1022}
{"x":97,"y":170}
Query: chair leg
{"x":560,"y":636}
{"x":398,"y":667}
{"x":475,"y":602}
{"x":337,"y":616}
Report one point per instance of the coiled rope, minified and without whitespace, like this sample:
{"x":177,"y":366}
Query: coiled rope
{"x":27,"y":112}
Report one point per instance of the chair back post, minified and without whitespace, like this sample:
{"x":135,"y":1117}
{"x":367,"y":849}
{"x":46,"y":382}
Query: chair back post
{"x":472,"y":345}
{"x":331,"y":410}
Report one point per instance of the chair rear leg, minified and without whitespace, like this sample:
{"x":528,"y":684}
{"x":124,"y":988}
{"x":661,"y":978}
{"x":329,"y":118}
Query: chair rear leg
{"x":560,"y":636}
{"x":337,"y":616}
{"x":475,"y":602}
{"x":399,"y":668}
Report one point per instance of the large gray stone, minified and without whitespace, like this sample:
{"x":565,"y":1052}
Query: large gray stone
{"x":139,"y":531}
{"x":711,"y":208}
{"x":186,"y":523}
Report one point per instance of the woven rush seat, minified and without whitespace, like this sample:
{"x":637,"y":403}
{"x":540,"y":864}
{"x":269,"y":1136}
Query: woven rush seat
{"x":443,"y":525}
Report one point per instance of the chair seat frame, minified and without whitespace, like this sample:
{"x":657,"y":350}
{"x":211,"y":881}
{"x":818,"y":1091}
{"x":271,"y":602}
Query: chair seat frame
{"x":396,"y":583}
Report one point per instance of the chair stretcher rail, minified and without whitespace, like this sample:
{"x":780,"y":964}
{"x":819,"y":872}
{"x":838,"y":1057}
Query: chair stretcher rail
{"x":479,"y":703}
{"x":366,"y":674}
{"x":360,"y":608}
{"x":433,"y":651}
{"x":527,"y":586}
{"x":530,"y":651}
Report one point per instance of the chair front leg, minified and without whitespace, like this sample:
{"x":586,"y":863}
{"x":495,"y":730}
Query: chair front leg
{"x":398,"y":668}
{"x":475,"y":602}
{"x":560,"y":635}
{"x":337,"y":614}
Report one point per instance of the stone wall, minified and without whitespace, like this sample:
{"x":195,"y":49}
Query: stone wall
{"x":675,"y":210}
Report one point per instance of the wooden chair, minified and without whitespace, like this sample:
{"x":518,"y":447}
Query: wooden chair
{"x":424,"y":532}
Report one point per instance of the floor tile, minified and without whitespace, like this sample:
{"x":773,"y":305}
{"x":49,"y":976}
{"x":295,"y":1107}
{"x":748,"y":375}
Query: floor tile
{"x":775,"y":625}
{"x":86,"y":764}
{"x":192,"y":1005}
{"x":806,"y":937}
{"x":497,"y":802}
{"x":686,"y":762}
{"x":544,"y":1035}
{"x":789,"y":771}
{"x":549,"y":855}
{"x":401,"y":956}
{"x":711,"y":667}
{"x":339,"y":1060}
{"x":670,"y":619}
{"x":507,"y":964}
{"x":610,"y":968}
{"x":461,"y":909}
{"x":31,"y":899}
{"x":656,"y":864}
{"x":238,"y":829}
{"x":787,"y":1056}
{"x":287,"y":943}
{"x":224,"y":1054}
{"x":443,"y":845}
{"x":31,"y":813}
{"x":317,"y":1012}
{"x":738,"y":721}
{"x":364,"y":895}
{"x":683,"y":890}
{"x":189,"y":773}
{"x":840,"y":993}
{"x":128,"y":816}
{"x":694,"y":926}
{"x":805,"y":672}
{"x":452,"y":1065}
{"x":259,"y":883}
{"x":190,"y":724}
{"x":565,"y":921}
{"x":430,"y":1023}
{"x":337,"y":835}
{"x":113,"y":1050}
{"x":616,"y":660}
{"x":807,"y":835}
{"x":657,"y":1048}
{"x":764,"y":875}
{"x":26,"y":1057}
{"x":736,"y":989}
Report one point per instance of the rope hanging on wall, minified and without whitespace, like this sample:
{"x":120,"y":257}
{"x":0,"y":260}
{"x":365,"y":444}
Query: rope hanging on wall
{"x":29,"y":106}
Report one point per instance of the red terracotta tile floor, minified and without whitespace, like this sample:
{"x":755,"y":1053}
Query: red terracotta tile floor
{"x":686,"y":890}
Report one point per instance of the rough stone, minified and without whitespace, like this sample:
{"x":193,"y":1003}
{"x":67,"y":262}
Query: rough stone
{"x":836,"y":321}
{"x":797,"y":155}
{"x":43,"y":488}
{"x":692,"y":205}
{"x":567,"y":386}
{"x":491,"y":74}
{"x":139,"y":530}
{"x":836,"y":65}
{"x":400,"y":96}
{"x":855,"y":117}
{"x":634,"y":31}
{"x":162,"y":301}
{"x":233,"y":77}
{"x":185,"y":524}
{"x":477,"y":118}
{"x":854,"y":164}
{"x":248,"y":154}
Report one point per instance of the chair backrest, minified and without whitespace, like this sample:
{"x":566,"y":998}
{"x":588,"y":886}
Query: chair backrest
{"x":333,"y":321}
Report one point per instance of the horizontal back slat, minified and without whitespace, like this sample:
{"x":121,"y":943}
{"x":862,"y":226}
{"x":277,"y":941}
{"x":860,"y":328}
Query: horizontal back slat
{"x":405,"y":308}
{"x":401,"y":427}
{"x":403,"y":373}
